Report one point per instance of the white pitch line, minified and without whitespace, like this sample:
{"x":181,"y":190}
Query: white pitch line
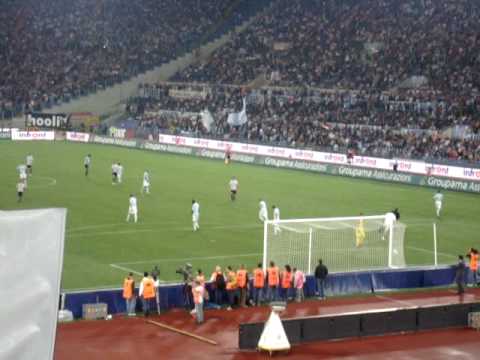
{"x":157,"y":229}
{"x":118,"y":267}
{"x":100,"y":226}
{"x":118,"y":232}
{"x":100,"y":287}
{"x":190,"y":258}
{"x":430,"y":251}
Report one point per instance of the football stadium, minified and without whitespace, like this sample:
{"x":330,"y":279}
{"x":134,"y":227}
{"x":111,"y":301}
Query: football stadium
{"x":237,"y":178}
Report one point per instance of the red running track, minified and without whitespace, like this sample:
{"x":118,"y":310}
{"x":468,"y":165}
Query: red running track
{"x":131,"y":338}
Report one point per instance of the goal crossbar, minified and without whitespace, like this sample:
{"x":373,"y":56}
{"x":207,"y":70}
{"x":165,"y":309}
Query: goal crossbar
{"x":370,"y":217}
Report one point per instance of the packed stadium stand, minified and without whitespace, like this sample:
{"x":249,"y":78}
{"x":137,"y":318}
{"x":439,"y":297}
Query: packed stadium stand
{"x":330,"y":79}
{"x":56,"y":50}
{"x":379,"y":77}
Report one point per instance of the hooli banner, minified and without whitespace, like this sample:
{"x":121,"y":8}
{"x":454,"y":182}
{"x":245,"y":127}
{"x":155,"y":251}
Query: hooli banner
{"x":47,"y":121}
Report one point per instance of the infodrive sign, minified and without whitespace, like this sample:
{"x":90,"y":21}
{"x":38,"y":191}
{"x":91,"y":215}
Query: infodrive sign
{"x":50,"y":121}
{"x":33,"y":135}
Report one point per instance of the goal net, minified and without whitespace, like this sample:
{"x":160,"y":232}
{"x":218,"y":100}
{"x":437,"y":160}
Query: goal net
{"x":344,"y":244}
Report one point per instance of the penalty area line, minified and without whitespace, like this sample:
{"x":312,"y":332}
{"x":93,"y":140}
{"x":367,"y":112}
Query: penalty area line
{"x":150,"y":261}
{"x":126,"y":269}
{"x":123,"y":268}
{"x":430,"y":251}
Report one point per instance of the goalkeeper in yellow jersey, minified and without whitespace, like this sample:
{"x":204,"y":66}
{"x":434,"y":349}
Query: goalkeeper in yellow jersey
{"x":359,"y":233}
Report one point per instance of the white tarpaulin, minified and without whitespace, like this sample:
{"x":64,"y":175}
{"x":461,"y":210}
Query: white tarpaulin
{"x":31,"y":259}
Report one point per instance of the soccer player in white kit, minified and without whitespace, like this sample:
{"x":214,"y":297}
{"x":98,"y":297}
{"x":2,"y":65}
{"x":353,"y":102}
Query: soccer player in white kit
{"x":114,"y":173}
{"x":86,"y":163}
{"x":233,"y":188}
{"x":29,"y":161}
{"x":119,"y":173}
{"x":263,"y":212}
{"x":132,"y":208}
{"x":195,"y":215}
{"x":389,"y":222}
{"x":20,"y":190}
{"x":276,"y":218}
{"x":146,"y":182}
{"x":22,"y":172}
{"x":438,"y":199}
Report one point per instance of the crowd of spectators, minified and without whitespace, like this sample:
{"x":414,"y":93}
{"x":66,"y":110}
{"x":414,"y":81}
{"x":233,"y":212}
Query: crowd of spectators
{"x":54,"y":50}
{"x":362,"y":45}
{"x":412,"y":123}
{"x":383,"y":77}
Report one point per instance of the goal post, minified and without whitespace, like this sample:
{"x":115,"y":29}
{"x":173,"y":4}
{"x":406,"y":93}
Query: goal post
{"x":343,"y":243}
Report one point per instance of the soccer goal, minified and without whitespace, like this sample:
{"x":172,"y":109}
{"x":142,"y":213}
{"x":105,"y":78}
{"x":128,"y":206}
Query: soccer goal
{"x":344,"y":243}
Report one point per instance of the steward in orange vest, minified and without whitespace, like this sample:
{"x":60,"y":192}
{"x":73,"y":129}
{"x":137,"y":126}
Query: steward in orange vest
{"x":129,"y":294}
{"x":286,"y":282}
{"x":258,"y":284}
{"x":258,"y":277}
{"x":242,"y":281}
{"x":287,"y":277}
{"x":231,"y":286}
{"x":273,"y":275}
{"x":273,"y":279}
{"x":473,"y":255}
{"x":128,"y":287}
{"x":147,"y":292}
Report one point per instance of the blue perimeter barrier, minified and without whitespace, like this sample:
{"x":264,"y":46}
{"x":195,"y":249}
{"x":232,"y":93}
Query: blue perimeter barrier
{"x":172,"y":296}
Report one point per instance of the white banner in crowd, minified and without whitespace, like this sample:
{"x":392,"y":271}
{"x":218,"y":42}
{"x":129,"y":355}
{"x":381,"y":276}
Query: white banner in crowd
{"x":207,"y":119}
{"x":238,"y":118}
{"x":33,"y":135}
{"x":408,"y":166}
{"x":31,"y":259}
{"x":78,"y":136}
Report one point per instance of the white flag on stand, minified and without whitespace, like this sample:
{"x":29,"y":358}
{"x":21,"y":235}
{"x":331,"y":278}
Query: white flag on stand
{"x":238,"y":118}
{"x":207,"y":119}
{"x":273,"y":336}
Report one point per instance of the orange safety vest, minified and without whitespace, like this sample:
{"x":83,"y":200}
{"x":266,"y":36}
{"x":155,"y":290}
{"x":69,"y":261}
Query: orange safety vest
{"x":473,"y":261}
{"x":148,"y":289}
{"x":273,"y":279}
{"x":232,"y":280}
{"x":286,"y":279}
{"x":128,"y":288}
{"x":242,"y":278}
{"x":258,"y":278}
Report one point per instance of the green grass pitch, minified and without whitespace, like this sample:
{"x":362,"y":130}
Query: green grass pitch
{"x":100,"y":246}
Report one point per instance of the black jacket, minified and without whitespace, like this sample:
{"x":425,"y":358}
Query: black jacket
{"x":321,"y":272}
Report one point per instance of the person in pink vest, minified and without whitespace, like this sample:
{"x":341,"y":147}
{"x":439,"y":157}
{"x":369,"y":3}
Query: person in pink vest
{"x":298,"y":282}
{"x":198,"y":293}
